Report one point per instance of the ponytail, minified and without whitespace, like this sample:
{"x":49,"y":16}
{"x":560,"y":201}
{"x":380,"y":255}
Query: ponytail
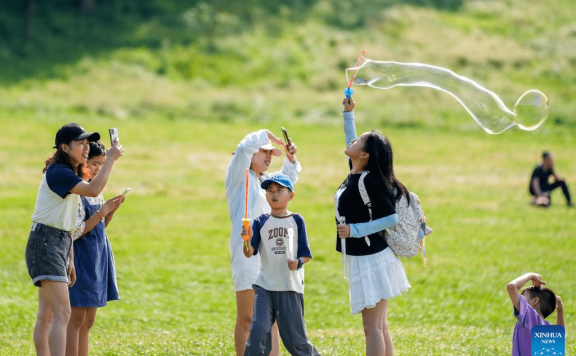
{"x":49,"y":161}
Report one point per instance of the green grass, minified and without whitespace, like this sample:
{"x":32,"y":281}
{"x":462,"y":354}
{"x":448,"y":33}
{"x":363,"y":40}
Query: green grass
{"x":171,"y":237}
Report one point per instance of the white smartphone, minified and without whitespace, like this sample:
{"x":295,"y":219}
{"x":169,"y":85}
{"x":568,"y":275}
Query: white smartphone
{"x":114,"y":136}
{"x":126,"y":191}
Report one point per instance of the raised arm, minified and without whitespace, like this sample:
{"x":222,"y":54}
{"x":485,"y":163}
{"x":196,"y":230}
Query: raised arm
{"x":291,"y":167}
{"x":96,"y":185}
{"x":289,"y":147}
{"x":514,"y":287}
{"x":243,"y":157}
{"x":349,"y":126}
{"x":560,"y":312}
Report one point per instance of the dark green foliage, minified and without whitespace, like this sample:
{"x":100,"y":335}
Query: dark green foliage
{"x":451,"y":5}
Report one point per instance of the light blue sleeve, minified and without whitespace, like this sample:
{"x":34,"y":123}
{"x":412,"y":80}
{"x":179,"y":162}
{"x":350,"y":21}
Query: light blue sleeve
{"x":349,"y":126}
{"x":372,"y":227}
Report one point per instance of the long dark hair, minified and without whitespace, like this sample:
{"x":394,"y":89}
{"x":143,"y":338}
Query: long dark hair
{"x":381,"y":163}
{"x":62,"y":157}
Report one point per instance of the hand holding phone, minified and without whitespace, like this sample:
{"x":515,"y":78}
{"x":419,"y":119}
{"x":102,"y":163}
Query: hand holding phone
{"x":116,"y":150}
{"x":290,"y":149}
{"x":114,"y":136}
{"x":287,"y":141}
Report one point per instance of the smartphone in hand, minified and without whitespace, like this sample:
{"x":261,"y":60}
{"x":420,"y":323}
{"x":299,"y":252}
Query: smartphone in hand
{"x":286,"y":138}
{"x":114,"y":136}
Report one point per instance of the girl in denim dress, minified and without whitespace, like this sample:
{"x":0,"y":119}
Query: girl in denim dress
{"x":94,"y":262}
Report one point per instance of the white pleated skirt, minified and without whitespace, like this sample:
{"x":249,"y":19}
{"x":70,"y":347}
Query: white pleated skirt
{"x":373,"y":278}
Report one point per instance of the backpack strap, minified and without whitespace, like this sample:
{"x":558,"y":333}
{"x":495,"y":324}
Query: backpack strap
{"x":364,"y":193}
{"x":341,"y":219}
{"x":365,"y":198}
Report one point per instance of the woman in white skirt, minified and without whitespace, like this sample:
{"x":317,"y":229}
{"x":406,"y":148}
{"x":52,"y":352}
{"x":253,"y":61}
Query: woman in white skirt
{"x":375,"y":273}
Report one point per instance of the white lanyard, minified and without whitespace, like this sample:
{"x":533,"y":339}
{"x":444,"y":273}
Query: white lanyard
{"x":341,"y":221}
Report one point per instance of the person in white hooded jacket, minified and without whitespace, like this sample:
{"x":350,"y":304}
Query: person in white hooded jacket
{"x":255,"y":153}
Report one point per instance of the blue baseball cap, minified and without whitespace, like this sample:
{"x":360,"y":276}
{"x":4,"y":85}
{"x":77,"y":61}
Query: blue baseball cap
{"x":279,"y":178}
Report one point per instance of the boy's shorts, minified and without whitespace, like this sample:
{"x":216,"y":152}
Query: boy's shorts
{"x":244,"y":269}
{"x":47,"y":253}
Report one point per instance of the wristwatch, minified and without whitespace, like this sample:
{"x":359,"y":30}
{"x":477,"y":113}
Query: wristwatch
{"x":300,"y":262}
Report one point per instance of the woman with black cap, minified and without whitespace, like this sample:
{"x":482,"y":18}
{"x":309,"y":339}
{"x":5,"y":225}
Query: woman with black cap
{"x":48,"y":254}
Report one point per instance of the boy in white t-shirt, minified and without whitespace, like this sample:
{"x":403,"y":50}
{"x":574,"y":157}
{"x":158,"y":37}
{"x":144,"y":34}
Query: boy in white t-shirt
{"x":280,"y":238}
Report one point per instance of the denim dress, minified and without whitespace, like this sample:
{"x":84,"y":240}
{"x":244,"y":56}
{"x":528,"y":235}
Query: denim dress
{"x":94,"y":263}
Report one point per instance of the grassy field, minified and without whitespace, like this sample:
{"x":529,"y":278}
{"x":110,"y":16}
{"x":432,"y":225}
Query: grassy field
{"x":185,"y":80}
{"x":171,"y":237}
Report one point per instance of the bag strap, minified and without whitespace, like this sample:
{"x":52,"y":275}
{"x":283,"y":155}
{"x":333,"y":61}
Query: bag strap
{"x":88,"y":210}
{"x":364,"y":193}
{"x":341,"y":219}
{"x":365,"y":198}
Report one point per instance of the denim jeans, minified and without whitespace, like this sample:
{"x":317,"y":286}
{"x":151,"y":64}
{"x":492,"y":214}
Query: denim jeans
{"x":47,"y":253}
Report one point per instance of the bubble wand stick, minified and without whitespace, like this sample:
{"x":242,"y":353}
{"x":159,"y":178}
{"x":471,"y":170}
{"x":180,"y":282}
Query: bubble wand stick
{"x":348,"y":91}
{"x":246,"y":221}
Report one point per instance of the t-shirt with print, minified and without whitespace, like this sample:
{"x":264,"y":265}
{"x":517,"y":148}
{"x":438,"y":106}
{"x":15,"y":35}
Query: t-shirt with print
{"x":526,"y":317}
{"x":271,"y":240}
{"x":55,"y":205}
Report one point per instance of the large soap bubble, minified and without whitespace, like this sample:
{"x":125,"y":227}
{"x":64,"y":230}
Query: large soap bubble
{"x":530,"y":110}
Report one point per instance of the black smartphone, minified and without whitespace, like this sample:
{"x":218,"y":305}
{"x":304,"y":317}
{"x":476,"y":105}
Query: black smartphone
{"x":286,"y":139}
{"x":113,"y":136}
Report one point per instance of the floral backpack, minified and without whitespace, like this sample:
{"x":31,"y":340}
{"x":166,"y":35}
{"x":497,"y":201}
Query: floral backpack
{"x":406,"y":238}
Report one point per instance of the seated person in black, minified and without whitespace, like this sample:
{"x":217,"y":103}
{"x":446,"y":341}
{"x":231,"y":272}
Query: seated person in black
{"x":540,"y":187}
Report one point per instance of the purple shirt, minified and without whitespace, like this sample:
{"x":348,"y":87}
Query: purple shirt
{"x":527,"y":317}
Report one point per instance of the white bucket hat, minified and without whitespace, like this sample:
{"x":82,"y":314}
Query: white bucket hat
{"x":275,"y":150}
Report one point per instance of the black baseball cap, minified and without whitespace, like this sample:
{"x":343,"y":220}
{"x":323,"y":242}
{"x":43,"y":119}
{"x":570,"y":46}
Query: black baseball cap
{"x":73,"y":131}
